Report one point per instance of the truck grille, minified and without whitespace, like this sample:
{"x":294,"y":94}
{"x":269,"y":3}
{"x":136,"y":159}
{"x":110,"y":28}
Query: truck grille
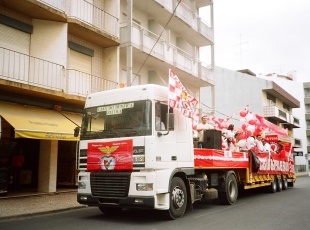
{"x":110,"y":185}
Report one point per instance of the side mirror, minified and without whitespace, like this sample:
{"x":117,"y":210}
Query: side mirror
{"x":76,"y":131}
{"x":170,"y":121}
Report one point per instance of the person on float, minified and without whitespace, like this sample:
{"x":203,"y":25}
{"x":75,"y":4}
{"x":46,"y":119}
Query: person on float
{"x":259,"y":144}
{"x":201,"y":127}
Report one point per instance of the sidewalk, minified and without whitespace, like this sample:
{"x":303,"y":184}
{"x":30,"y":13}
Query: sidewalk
{"x":41,"y":203}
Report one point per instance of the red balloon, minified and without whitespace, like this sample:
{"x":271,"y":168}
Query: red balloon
{"x":252,"y":122}
{"x":242,"y":136}
{"x":243,"y":126}
{"x":248,"y":133}
{"x":242,"y":113}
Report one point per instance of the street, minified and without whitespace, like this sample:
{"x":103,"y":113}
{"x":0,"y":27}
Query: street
{"x":255,"y":209}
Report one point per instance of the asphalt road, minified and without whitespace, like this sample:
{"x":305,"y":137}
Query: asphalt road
{"x":254,"y":209}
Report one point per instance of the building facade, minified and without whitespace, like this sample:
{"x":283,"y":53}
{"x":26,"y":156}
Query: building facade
{"x":306,"y":86}
{"x":54,"y":53}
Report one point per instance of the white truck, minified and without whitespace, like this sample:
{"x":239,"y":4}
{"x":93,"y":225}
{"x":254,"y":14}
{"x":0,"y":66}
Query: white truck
{"x":136,"y":152}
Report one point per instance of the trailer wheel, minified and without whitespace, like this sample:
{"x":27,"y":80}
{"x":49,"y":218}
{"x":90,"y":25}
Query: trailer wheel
{"x":273,"y":187}
{"x":284,"y":183}
{"x":230,"y":195}
{"x":279,"y":185}
{"x":178,"y":199}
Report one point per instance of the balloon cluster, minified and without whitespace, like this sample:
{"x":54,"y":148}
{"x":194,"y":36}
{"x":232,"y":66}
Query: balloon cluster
{"x":250,"y":126}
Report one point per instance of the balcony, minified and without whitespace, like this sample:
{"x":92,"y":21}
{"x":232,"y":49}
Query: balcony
{"x":307,"y":99}
{"x":51,"y":10}
{"x":276,"y":114}
{"x":165,"y":55}
{"x":81,"y":84}
{"x":84,"y":19}
{"x":92,"y":23}
{"x":292,"y":122}
{"x":186,"y":22}
{"x":307,"y":114}
{"x":23,"y":73}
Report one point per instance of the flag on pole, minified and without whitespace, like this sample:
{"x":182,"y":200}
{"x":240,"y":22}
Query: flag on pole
{"x":180,"y":99}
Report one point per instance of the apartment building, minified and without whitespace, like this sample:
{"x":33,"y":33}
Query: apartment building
{"x":53,"y":53}
{"x":306,"y":86}
{"x":234,"y":90}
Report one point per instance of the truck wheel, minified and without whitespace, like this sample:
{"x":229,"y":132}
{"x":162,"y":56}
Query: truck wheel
{"x":178,"y":199}
{"x":230,"y":195}
{"x":284,"y":183}
{"x":273,"y":187}
{"x":279,"y":185}
{"x":110,"y":210}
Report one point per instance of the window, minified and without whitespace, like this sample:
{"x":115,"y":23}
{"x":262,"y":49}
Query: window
{"x":286,"y":106}
{"x":271,"y":98}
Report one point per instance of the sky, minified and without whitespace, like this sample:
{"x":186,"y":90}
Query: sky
{"x":264,"y":36}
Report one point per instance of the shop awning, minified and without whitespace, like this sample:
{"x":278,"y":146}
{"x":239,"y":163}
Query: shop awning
{"x":40,"y":123}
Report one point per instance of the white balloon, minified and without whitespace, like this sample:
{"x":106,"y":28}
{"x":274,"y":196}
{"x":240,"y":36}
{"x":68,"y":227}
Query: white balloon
{"x":242,"y":143}
{"x":249,"y":116}
{"x":251,"y":128}
{"x":242,"y":120}
{"x":250,"y":140}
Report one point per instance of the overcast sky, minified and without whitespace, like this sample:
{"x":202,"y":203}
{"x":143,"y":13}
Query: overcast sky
{"x":265,"y":36}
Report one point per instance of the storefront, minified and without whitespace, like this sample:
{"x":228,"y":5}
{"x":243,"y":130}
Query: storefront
{"x":45,"y":138}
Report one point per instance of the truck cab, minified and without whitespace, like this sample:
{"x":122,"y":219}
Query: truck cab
{"x":131,"y":146}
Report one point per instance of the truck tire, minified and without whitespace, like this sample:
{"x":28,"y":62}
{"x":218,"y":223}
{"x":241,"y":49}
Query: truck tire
{"x":273,"y":187}
{"x":284,"y":183}
{"x":279,"y":185}
{"x":178,"y":199}
{"x":230,"y":195}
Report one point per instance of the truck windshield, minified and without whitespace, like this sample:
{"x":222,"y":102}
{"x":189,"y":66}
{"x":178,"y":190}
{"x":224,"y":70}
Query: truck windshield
{"x":117,"y":120}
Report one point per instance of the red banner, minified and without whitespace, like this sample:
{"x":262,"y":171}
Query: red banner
{"x":274,"y":164}
{"x":220,"y":159}
{"x":211,"y":158}
{"x":114,"y":155}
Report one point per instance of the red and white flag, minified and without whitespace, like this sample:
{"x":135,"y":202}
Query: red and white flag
{"x":180,"y":99}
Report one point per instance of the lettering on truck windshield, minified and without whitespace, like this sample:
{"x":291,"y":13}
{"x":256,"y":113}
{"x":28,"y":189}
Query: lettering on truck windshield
{"x":117,"y":120}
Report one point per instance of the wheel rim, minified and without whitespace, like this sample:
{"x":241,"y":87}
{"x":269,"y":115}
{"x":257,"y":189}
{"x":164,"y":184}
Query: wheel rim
{"x":177,"y":197}
{"x":231,"y":189}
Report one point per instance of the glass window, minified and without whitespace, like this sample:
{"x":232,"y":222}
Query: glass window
{"x":117,"y":120}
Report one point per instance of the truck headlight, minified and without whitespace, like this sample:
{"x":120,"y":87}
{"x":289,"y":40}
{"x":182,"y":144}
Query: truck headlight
{"x":82,"y":185}
{"x":144,"y":187}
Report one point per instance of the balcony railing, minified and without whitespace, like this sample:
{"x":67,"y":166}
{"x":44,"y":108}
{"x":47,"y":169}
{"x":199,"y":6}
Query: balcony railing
{"x":94,"y":16}
{"x":191,"y":18}
{"x":22,"y":68}
{"x":59,"y":5}
{"x":145,"y":40}
{"x":25,"y":69}
{"x":275,"y":112}
{"x":82,"y":84}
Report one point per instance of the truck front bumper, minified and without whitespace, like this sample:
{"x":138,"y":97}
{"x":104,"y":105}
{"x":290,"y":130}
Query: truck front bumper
{"x":132,"y":202}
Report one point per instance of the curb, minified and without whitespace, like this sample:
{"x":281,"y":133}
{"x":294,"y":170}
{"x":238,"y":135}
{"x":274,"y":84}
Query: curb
{"x":41,"y":213}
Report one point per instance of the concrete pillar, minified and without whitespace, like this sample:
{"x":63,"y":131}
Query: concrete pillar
{"x":48,"y":166}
